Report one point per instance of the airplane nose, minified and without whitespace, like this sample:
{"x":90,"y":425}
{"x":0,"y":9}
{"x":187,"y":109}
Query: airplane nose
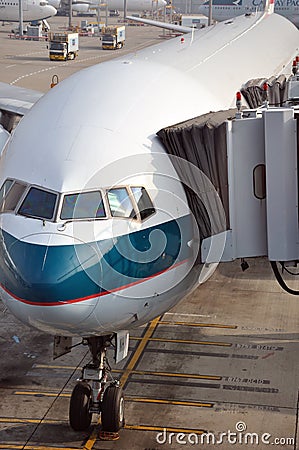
{"x":36,"y":272}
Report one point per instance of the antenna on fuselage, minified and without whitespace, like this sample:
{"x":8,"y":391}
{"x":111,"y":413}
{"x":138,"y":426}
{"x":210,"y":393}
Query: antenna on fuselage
{"x":210,"y":12}
{"x":21,"y":18}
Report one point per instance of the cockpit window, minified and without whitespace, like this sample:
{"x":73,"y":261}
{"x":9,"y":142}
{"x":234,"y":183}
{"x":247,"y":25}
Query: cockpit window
{"x":38,"y":203}
{"x":11,"y":193}
{"x":4,"y":189}
{"x":120,"y":203}
{"x":144,"y":203}
{"x":87,"y":205}
{"x":131,"y":202}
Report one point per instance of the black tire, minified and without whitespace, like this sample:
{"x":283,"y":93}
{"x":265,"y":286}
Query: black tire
{"x":113,"y":409}
{"x":79,"y":414}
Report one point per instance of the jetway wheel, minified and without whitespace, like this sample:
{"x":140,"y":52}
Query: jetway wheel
{"x":79,"y":412}
{"x":113,"y":409}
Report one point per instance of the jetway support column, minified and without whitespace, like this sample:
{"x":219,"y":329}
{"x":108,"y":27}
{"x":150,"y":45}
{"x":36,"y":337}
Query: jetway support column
{"x":281,"y":184}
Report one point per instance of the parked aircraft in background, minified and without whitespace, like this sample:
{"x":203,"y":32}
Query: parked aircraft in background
{"x":32,"y":10}
{"x":136,"y":5}
{"x":80,"y":7}
{"x":96,"y":233}
{"x":226,"y":9}
{"x":132,"y":5}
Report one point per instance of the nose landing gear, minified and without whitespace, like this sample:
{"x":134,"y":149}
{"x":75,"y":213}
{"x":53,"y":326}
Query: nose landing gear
{"x":97,"y":392}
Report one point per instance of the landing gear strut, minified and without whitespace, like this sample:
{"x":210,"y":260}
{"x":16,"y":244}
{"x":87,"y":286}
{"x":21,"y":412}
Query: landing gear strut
{"x":97,"y":392}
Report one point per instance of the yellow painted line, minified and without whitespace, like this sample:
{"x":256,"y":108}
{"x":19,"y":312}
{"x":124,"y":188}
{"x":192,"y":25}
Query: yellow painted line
{"x":204,"y":325}
{"x":144,"y":372}
{"x":127,"y":399}
{"x":184,"y":341}
{"x":167,"y":429}
{"x":91,"y":440}
{"x":53,"y":366}
{"x":178,"y":375}
{"x":132,"y":363}
{"x":15,"y":420}
{"x":41,"y":394}
{"x":169,"y":402}
{"x":140,"y":348}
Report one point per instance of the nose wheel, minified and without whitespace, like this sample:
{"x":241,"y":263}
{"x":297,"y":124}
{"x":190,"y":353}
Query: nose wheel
{"x":113,"y":409}
{"x":79,"y":413}
{"x":97,"y":392}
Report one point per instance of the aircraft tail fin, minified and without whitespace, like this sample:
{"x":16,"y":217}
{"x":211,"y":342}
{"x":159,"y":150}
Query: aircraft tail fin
{"x":269,"y":7}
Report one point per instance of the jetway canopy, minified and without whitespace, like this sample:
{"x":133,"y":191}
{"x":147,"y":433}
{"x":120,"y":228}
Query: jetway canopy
{"x":202,"y":142}
{"x":253,"y":91}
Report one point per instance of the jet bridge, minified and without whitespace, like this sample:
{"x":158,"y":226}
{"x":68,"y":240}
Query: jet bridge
{"x":251,"y":157}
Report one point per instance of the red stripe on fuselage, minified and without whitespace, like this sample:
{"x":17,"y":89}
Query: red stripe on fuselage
{"x":100,"y":294}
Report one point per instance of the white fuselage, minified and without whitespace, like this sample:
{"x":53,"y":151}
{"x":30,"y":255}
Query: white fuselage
{"x":92,"y":277}
{"x":226,"y":9}
{"x":32,"y":10}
